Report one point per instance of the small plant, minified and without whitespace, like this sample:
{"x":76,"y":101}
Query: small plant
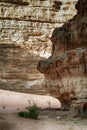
{"x":21,"y":114}
{"x":33,"y":112}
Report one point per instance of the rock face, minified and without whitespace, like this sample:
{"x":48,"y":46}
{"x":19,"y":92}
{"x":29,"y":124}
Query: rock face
{"x":25,"y":30}
{"x":66,"y":70}
{"x":18,"y":70}
{"x":30,"y":23}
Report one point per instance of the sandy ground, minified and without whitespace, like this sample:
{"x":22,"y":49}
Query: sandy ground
{"x":49,"y":119}
{"x":11,"y":102}
{"x":13,"y":122}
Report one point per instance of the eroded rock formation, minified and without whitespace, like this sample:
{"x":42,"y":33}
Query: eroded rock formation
{"x":18,"y":70}
{"x":30,"y":23}
{"x":66,"y":70}
{"x":25,"y":30}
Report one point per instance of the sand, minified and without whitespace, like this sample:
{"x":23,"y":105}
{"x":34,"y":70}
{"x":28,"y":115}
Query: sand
{"x":11,"y":102}
{"x":13,"y":122}
{"x":49,"y":119}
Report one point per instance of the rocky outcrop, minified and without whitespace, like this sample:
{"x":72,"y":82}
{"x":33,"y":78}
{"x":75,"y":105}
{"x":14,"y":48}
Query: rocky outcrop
{"x":25,"y":30}
{"x":18,"y":2}
{"x":66,"y":70}
{"x":18,"y":70}
{"x":29,"y":23}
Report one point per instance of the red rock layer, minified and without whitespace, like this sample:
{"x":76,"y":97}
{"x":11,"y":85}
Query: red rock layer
{"x":66,"y":70}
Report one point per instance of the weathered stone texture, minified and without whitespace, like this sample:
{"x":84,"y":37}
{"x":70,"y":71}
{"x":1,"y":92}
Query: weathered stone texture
{"x":28,"y":24}
{"x":18,"y":70}
{"x":32,"y":24}
{"x":66,"y":70}
{"x":18,"y":2}
{"x":66,"y":73}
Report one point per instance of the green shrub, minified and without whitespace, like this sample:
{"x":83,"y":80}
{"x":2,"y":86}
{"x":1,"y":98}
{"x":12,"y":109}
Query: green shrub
{"x":33,"y":112}
{"x":21,"y":114}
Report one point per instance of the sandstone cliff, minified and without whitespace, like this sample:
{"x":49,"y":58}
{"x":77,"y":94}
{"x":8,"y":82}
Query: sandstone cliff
{"x":66,"y":70}
{"x":25,"y":30}
{"x":30,"y":23}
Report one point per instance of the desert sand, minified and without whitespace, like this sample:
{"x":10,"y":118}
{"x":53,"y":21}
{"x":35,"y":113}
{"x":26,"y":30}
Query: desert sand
{"x":11,"y":102}
{"x":13,"y":122}
{"x":49,"y":119}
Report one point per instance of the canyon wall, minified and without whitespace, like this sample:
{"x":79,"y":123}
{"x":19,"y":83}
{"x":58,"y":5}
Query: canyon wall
{"x":30,"y":23}
{"x":25,"y":30}
{"x":66,"y":70}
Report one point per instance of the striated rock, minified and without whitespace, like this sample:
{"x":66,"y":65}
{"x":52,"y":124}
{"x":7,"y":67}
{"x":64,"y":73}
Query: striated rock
{"x":79,"y":107}
{"x":18,"y":70}
{"x":30,"y":23}
{"x":19,"y":2}
{"x":25,"y":30}
{"x":66,"y":70}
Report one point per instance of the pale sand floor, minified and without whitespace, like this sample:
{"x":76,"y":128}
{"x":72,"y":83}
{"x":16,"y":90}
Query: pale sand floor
{"x":11,"y":102}
{"x":13,"y":122}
